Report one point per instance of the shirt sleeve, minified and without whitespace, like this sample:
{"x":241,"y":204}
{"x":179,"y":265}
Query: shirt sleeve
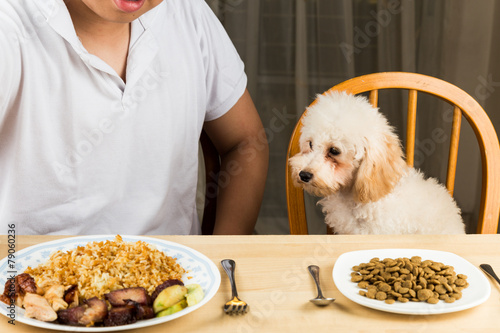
{"x":225,"y":72}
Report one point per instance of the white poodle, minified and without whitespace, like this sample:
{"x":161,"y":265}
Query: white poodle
{"x":352,"y":158}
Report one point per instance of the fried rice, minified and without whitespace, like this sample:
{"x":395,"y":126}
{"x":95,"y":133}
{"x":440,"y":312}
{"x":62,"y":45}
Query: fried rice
{"x":101,"y":267}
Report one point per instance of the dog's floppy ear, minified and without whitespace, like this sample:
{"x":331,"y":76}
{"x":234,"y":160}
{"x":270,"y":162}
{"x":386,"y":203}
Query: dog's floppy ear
{"x":379,"y":170}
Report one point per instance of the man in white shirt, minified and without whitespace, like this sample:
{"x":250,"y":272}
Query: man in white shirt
{"x":101,"y":106}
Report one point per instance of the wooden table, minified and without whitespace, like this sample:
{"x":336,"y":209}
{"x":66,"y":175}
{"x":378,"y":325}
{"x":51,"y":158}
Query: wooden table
{"x":272,"y":277}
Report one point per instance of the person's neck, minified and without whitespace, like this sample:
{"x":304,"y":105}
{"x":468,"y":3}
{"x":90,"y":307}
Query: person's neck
{"x":88,"y":23}
{"x":105,"y":39}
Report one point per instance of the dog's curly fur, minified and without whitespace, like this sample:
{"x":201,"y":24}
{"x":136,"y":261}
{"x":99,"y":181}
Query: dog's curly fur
{"x":352,"y":158}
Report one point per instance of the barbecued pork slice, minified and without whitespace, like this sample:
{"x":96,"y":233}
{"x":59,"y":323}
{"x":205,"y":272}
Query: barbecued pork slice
{"x":142,"y":311}
{"x":120,"y":297}
{"x":71,"y":316}
{"x":71,"y":296}
{"x":38,"y":307}
{"x":121,"y":315}
{"x":11,"y":291}
{"x":94,"y":310}
{"x":163,"y":286}
{"x":27,"y":284}
{"x":23,"y":283}
{"x":5,"y":299}
{"x":55,"y":296}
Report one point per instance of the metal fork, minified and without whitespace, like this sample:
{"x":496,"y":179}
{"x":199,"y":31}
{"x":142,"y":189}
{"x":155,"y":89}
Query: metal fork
{"x":235,"y":305}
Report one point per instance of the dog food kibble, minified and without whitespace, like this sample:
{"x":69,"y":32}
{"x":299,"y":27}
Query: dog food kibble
{"x":408,"y":279}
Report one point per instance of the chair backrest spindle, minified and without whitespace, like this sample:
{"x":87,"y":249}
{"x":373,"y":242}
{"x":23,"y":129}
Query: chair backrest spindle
{"x":410,"y":126}
{"x":373,"y":98}
{"x":453,"y":155}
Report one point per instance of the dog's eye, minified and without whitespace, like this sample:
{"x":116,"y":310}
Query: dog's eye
{"x":310,"y":145}
{"x":334,"y":151}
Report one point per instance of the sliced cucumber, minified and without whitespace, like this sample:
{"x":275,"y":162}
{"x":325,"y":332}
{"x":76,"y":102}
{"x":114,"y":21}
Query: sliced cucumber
{"x":169,"y":297}
{"x":173,"y":309}
{"x":195,"y":294}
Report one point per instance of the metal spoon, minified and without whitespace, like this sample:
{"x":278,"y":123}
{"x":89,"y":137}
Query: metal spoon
{"x":320,"y":300}
{"x":489,"y":270}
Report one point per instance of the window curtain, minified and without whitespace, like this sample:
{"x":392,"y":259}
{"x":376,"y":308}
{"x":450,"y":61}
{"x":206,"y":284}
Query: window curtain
{"x":294,"y":50}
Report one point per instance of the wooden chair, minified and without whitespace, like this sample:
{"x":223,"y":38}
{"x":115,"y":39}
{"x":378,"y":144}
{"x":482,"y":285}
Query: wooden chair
{"x":212,"y":169}
{"x":463,"y":104}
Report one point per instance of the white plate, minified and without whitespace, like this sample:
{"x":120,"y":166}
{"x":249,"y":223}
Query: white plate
{"x":478,"y":291}
{"x":202,"y":270}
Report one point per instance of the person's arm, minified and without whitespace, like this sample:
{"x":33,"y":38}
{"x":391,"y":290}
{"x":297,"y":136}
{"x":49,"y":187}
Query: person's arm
{"x":241,"y":142}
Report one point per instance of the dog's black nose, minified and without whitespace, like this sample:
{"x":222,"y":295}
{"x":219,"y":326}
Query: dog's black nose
{"x":305,"y":176}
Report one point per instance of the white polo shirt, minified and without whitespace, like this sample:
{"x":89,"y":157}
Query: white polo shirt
{"x":82,"y":152}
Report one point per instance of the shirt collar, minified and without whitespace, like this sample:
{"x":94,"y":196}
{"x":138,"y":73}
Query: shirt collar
{"x":57,"y":16}
{"x":151,"y":22}
{"x":147,"y":19}
{"x":48,"y":7}
{"x":145,"y":29}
